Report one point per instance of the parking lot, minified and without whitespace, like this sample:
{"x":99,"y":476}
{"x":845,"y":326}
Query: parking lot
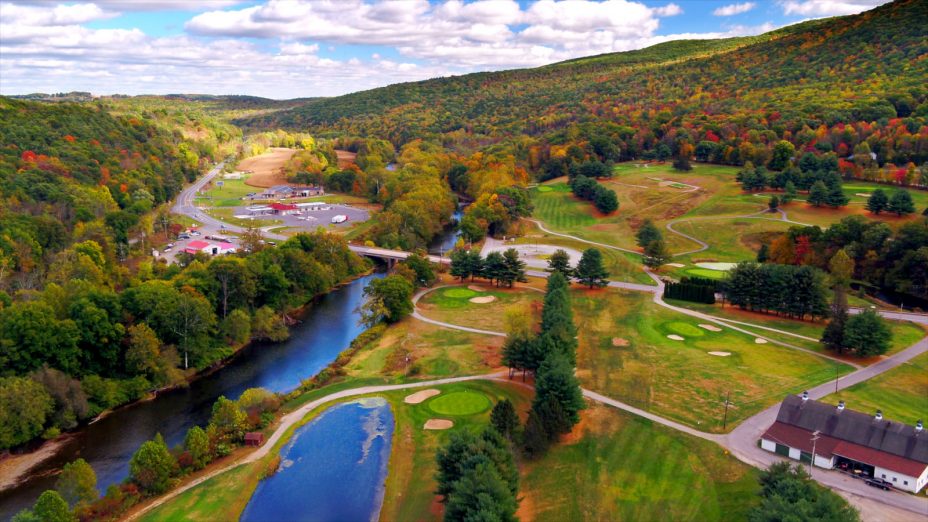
{"x":308,"y":218}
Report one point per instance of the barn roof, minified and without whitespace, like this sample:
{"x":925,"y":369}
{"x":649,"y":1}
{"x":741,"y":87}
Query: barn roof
{"x":894,"y":438}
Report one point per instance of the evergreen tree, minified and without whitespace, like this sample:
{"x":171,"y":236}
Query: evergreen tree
{"x":560,"y":262}
{"x":763,"y":253}
{"x":553,"y":418}
{"x":788,"y":493}
{"x":818,"y":194}
{"x":504,"y":418}
{"x":534,"y":437}
{"x":494,"y":267}
{"x":773,"y":203}
{"x":460,"y":264}
{"x":836,"y":197}
{"x":833,"y":336}
{"x":480,"y":495}
{"x":605,"y":200}
{"x":900,"y":202}
{"x":656,"y":254}
{"x":647,"y":233}
{"x":877,"y":202}
{"x":682,"y":163}
{"x":867,"y":334}
{"x":513,"y":268}
{"x":590,"y":270}
{"x":556,"y":380}
{"x":77,"y":483}
{"x":789,"y":192}
{"x":451,"y":459}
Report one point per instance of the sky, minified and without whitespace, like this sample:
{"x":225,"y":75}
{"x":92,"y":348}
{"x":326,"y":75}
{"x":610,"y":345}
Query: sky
{"x":300,"y":48}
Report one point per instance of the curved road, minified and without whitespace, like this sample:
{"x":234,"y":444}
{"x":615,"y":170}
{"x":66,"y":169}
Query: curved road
{"x":742,"y":441}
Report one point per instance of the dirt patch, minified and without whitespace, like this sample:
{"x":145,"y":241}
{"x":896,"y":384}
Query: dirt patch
{"x":345,"y":158}
{"x":760,"y":341}
{"x":14,"y":467}
{"x":438,"y":424}
{"x":676,"y":265}
{"x":618,"y":341}
{"x":483,"y":299}
{"x":720,"y":354}
{"x":420,"y":396}
{"x":266,"y":168}
{"x":675,"y":337}
{"x":710,"y":327}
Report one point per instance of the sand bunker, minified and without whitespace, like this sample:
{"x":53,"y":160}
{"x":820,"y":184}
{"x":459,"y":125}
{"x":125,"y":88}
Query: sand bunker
{"x":710,"y":327}
{"x":483,"y":299}
{"x":760,"y":341}
{"x":438,"y":424}
{"x":861,"y":194}
{"x":476,"y":288}
{"x":421,"y":396}
{"x":618,"y":341}
{"x":720,"y":354}
{"x":675,"y":337}
{"x":676,"y":265}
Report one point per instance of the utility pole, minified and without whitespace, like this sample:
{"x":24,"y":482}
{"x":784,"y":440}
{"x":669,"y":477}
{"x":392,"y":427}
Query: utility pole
{"x":811,"y":462}
{"x":727,"y":402}
{"x":837,"y":370}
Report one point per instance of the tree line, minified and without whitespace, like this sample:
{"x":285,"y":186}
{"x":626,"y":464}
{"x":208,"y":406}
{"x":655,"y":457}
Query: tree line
{"x":154,"y":467}
{"x":82,"y":345}
{"x":500,"y":268}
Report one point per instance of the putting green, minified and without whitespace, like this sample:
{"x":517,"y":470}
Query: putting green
{"x":460,"y":403}
{"x":544,"y":188}
{"x":459,"y":293}
{"x":704,"y":272}
{"x":684,"y":329}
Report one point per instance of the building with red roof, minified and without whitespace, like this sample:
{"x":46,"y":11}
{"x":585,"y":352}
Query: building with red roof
{"x":835,"y":437}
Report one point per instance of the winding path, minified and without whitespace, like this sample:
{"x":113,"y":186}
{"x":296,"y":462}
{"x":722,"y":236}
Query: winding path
{"x":742,"y":441}
{"x":294,"y":417}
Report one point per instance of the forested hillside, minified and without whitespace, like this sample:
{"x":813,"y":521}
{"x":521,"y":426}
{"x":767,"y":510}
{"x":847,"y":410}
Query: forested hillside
{"x":822,"y":85}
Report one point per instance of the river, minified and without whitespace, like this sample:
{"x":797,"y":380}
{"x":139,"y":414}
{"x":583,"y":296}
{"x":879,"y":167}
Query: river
{"x":445,"y":241}
{"x":333,"y":468}
{"x":108,"y":444}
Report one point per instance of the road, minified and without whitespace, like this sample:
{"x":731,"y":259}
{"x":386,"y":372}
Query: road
{"x":296,"y":416}
{"x":742,"y":441}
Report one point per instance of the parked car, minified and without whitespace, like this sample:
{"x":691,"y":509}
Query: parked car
{"x":167,"y":249}
{"x":183,"y":236}
{"x":879,"y":483}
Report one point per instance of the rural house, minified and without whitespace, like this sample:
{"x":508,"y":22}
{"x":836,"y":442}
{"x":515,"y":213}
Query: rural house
{"x":858,"y":443}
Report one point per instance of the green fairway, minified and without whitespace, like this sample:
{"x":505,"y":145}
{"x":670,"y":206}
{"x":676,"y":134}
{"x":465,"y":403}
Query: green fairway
{"x":622,"y":467}
{"x":625,"y":354}
{"x":222,"y":497}
{"x":459,"y":403}
{"x":458,"y":293}
{"x":901,"y":393}
{"x":704,"y":272}
{"x":453,"y":304}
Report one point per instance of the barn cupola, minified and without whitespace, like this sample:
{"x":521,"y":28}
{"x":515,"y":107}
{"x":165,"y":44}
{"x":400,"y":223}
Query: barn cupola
{"x":879,"y":415}
{"x":840,"y":406}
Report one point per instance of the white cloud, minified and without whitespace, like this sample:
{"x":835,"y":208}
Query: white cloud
{"x":277,"y":48}
{"x":734,"y":9}
{"x":822,"y":8}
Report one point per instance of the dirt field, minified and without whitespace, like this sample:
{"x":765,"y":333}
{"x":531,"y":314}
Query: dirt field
{"x":266,"y":167}
{"x":345,"y":158}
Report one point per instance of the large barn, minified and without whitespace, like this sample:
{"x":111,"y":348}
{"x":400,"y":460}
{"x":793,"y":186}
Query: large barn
{"x":858,"y":443}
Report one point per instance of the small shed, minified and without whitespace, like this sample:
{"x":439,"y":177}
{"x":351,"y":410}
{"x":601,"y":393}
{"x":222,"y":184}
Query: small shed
{"x":254,"y":438}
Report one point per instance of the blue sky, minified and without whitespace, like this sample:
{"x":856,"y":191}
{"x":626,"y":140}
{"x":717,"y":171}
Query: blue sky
{"x":294,"y":48}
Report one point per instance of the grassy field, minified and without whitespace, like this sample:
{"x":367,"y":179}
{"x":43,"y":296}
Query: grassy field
{"x":905,"y":334}
{"x":622,"y":266}
{"x":625,"y":353}
{"x":452,"y":305}
{"x":902,"y":393}
{"x":619,"y":467}
{"x":433,"y":352}
{"x":219,"y":498}
{"x":705,"y":203}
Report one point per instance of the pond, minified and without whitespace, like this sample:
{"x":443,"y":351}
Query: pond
{"x":328,"y":327}
{"x":333,"y":469}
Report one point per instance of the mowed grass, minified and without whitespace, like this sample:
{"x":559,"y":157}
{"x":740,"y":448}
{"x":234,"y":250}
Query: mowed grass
{"x":411,"y":480}
{"x":622,"y":266}
{"x":465,"y":402}
{"x":901,"y":393}
{"x":452,"y":305}
{"x":625,"y":353}
{"x":222,"y":497}
{"x":432,"y":351}
{"x":619,"y":467}
{"x":905,"y":333}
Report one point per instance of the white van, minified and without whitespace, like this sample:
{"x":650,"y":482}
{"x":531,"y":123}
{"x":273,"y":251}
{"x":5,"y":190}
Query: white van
{"x":340,"y":218}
